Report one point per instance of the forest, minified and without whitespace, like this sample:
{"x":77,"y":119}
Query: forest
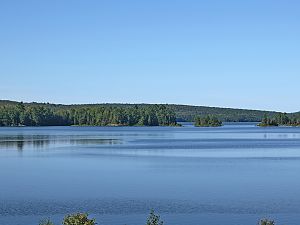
{"x":189,"y":113}
{"x":14,"y":113}
{"x":281,"y":119}
{"x":35,"y":114}
{"x":207,"y":121}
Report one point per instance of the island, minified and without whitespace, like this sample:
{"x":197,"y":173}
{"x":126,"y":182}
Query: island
{"x":207,"y":121}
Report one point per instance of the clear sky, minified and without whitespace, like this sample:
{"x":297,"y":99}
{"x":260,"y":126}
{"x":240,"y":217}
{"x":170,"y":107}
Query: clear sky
{"x":229,"y":53}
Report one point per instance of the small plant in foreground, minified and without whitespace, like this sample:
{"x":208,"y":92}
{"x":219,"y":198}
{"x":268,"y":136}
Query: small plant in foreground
{"x":46,"y":222}
{"x":154,"y":219}
{"x":266,"y":222}
{"x":78,"y":219}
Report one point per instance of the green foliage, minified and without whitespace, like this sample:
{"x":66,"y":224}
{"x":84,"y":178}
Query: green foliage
{"x":266,"y":222}
{"x":154,"y":219}
{"x":46,"y":222}
{"x":45,"y":114}
{"x":78,"y":219}
{"x":33,"y":114}
{"x":281,"y":119}
{"x":207,"y":121}
{"x":266,"y":121}
{"x":189,"y":113}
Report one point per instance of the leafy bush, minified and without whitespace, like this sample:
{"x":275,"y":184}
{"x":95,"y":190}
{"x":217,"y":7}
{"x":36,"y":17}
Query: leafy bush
{"x":267,"y":222}
{"x":154,"y":219}
{"x":78,"y":219}
{"x":46,"y":222}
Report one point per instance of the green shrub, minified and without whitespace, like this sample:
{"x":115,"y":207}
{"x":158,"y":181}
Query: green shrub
{"x":78,"y":219}
{"x":267,"y":222}
{"x":46,"y":222}
{"x":154,"y":219}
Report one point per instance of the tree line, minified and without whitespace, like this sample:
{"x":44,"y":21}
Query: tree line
{"x":184,"y":113}
{"x":21,"y":114}
{"x":281,"y":119}
{"x":41,"y":114}
{"x":188,"y":113}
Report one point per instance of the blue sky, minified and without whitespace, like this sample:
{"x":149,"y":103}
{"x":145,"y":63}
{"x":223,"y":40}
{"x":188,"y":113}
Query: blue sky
{"x":242,"y":54}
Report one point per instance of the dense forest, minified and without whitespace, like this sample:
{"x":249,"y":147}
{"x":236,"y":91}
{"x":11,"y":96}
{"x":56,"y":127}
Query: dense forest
{"x":35,"y":114}
{"x":207,"y":121}
{"x":15,"y":113}
{"x":189,"y":113}
{"x":281,"y":119}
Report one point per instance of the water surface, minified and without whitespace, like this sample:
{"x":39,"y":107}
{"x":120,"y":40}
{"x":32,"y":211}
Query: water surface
{"x":234,"y":174}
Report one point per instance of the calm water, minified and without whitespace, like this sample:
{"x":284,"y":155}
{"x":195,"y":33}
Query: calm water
{"x":235,"y":174}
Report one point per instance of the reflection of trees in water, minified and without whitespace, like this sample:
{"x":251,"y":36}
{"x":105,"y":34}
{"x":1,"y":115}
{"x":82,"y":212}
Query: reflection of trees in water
{"x":88,"y":141}
{"x":19,"y":142}
{"x":20,"y":145}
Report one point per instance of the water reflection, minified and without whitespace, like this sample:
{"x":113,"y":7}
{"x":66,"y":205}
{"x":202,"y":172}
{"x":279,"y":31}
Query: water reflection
{"x":20,"y":142}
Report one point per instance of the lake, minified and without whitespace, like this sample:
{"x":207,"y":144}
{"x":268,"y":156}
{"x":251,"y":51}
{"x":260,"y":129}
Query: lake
{"x":235,"y":174}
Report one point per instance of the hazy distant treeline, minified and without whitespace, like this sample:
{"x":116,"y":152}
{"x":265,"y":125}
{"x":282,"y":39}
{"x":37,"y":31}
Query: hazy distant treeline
{"x":190,"y":113}
{"x":91,"y":115}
